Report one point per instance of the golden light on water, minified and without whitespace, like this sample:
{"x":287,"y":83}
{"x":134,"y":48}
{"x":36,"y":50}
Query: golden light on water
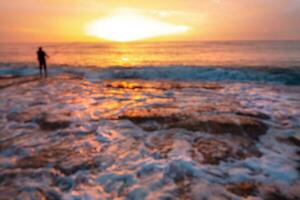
{"x":125,"y":27}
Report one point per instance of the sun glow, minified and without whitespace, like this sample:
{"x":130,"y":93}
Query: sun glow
{"x":127,"y":27}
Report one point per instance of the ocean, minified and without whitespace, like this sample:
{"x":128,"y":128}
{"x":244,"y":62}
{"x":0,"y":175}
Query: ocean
{"x":258,"y":61}
{"x":215,"y":54}
{"x":169,"y":120}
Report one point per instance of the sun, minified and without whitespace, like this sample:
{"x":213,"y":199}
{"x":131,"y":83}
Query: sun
{"x":126,"y":27}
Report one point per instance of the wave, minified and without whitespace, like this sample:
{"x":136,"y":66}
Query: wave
{"x":286,"y":76}
{"x":266,"y":75}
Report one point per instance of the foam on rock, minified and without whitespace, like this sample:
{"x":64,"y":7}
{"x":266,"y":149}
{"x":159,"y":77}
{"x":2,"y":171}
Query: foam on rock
{"x":70,"y":138}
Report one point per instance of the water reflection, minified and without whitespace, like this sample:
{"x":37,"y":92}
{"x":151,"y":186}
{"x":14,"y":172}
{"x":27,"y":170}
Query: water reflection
{"x":234,"y":53}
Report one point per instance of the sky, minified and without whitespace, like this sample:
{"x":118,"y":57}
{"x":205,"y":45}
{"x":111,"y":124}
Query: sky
{"x":66,"y":20}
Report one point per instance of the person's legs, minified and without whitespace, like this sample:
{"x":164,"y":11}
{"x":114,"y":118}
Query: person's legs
{"x":45,"y":69}
{"x":41,"y":65}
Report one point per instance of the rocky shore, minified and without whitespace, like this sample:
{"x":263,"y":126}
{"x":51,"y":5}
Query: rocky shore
{"x":66,"y":137}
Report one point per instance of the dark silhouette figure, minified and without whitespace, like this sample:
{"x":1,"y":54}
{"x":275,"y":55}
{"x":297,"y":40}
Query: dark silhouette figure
{"x":41,"y":55}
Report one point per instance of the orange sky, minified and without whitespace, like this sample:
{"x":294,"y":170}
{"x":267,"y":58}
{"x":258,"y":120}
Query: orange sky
{"x":65,"y":20}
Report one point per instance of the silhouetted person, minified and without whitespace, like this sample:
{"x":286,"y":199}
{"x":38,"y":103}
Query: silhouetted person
{"x":41,"y":55}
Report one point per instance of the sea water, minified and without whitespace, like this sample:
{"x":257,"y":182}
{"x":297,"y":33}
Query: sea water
{"x":259,"y":61}
{"x":179,"y":120}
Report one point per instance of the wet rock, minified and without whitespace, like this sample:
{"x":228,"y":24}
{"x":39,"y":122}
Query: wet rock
{"x":37,"y":193}
{"x":258,"y":115}
{"x":162,"y":144}
{"x":161,"y":85}
{"x":72,"y":169}
{"x":243,"y":189}
{"x":290,"y":140}
{"x":166,"y":197}
{"x":31,"y":193}
{"x":51,"y":124}
{"x":14,"y":185}
{"x":248,"y":151}
{"x":220,"y":124}
{"x":60,"y":157}
{"x":278,"y":196}
{"x":51,"y":156}
{"x":33,"y":162}
{"x":123,"y":85}
{"x":45,"y":121}
{"x":162,"y":116}
{"x":15,"y":80}
{"x":213,"y":151}
{"x":12,"y":177}
{"x":52,"y":195}
{"x":215,"y":124}
{"x":211,"y":86}
{"x":149,"y":126}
